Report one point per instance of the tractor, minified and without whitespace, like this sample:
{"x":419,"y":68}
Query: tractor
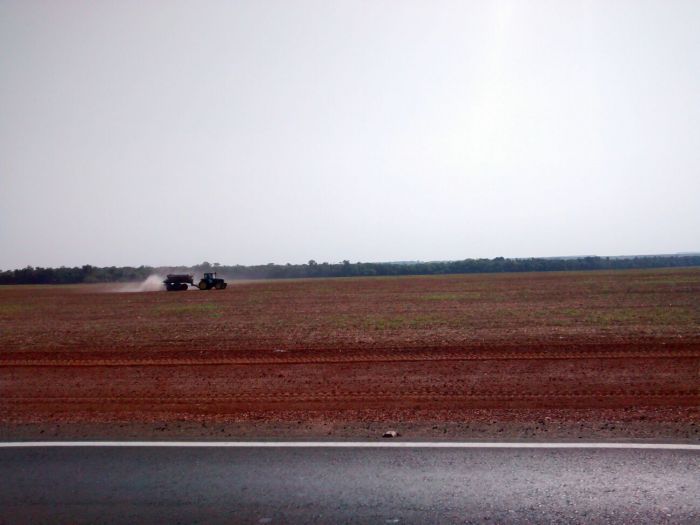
{"x":210,"y":281}
{"x":180,"y":282}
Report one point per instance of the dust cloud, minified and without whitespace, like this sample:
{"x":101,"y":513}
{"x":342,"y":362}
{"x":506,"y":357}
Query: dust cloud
{"x":152,"y":283}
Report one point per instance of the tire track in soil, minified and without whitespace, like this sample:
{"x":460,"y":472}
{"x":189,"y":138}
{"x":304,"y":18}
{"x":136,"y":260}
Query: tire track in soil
{"x":360,"y":357}
{"x":369,"y":394}
{"x":166,"y":407}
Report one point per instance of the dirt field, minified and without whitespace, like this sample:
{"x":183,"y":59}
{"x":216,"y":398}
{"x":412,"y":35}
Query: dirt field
{"x":556,"y":354}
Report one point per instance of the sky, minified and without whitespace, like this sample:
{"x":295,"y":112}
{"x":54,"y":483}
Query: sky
{"x":249,"y":132}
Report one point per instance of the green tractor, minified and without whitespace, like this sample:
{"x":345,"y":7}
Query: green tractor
{"x":211,"y":282}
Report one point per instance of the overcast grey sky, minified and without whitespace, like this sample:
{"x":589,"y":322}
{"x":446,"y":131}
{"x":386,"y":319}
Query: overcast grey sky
{"x":279,"y":131}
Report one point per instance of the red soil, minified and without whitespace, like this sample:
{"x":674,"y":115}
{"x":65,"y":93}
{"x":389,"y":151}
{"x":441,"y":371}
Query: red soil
{"x":423,"y":347}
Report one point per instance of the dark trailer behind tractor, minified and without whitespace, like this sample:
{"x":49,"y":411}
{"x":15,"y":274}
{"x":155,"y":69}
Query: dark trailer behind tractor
{"x":178,"y":282}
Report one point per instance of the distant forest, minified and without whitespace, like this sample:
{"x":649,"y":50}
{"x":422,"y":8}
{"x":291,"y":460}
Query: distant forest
{"x":93,"y":274}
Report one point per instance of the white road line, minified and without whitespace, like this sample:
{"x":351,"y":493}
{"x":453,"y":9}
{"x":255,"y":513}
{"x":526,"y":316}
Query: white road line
{"x":346,"y":444}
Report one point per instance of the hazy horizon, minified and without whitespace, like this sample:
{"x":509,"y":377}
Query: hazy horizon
{"x":168,"y":133}
{"x":370,"y":261}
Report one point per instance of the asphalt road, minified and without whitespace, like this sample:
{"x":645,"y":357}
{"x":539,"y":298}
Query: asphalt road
{"x":341,"y":485}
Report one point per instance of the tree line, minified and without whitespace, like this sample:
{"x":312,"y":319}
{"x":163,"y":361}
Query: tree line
{"x":94,"y":274}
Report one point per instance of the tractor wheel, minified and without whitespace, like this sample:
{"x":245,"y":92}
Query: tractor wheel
{"x":183,"y":287}
{"x":223,"y":286}
{"x":219,"y":286}
{"x":203,"y":285}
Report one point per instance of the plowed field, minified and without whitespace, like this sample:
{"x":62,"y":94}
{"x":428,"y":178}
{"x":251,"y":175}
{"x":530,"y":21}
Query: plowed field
{"x":620,"y":345}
